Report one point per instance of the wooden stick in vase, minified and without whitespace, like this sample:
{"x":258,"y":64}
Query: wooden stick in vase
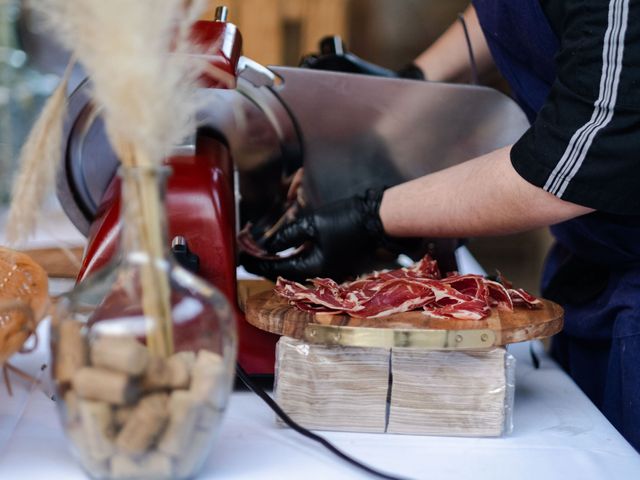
{"x":155,"y":289}
{"x":156,"y":292}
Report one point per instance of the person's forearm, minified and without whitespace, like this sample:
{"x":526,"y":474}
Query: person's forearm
{"x":484,"y":196}
{"x":447,"y":59}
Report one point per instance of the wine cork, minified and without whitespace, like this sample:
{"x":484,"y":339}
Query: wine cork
{"x":98,"y":467}
{"x":157,"y":374}
{"x":75,"y":433}
{"x":184,"y":411}
{"x":72,"y":351}
{"x":122,"y":414}
{"x":143,"y":425}
{"x":208,"y":382}
{"x":104,"y":385}
{"x":173,"y":372}
{"x":209,"y":418}
{"x":152,"y":465}
{"x":187,"y":465}
{"x":97,"y":428}
{"x":181,"y":364}
{"x":120,"y":353}
{"x":157,"y":401}
{"x":72,"y":407}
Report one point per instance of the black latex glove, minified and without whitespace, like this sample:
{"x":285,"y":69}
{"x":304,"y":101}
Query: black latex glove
{"x":411,"y":71}
{"x":341,"y":239}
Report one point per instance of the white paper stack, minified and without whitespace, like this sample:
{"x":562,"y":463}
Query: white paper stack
{"x":333,"y":388}
{"x":448,"y":393}
{"x":396,"y":391}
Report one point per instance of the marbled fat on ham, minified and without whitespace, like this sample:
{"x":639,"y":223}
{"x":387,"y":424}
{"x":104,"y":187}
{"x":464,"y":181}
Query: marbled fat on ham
{"x":464,"y":297}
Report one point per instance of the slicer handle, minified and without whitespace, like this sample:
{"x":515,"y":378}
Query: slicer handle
{"x":334,"y":56}
{"x":185,"y":257}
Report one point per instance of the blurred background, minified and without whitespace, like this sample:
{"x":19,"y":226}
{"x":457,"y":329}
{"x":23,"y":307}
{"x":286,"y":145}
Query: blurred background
{"x":387,"y":32}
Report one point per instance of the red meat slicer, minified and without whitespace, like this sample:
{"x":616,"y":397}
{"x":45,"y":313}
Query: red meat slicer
{"x":350,"y":131}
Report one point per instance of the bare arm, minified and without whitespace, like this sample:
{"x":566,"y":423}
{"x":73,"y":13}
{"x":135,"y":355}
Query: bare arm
{"x":447,"y":59}
{"x":484,"y":196}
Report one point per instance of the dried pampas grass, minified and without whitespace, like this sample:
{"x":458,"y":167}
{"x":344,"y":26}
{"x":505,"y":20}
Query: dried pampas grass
{"x":143,"y":70}
{"x":39,"y":160}
{"x":145,"y":95}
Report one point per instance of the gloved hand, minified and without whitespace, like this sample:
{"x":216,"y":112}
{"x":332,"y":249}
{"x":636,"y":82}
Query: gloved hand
{"x":411,"y":71}
{"x":341,"y":239}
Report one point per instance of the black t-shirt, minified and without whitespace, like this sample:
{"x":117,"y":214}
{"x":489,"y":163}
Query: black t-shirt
{"x":584,"y":145}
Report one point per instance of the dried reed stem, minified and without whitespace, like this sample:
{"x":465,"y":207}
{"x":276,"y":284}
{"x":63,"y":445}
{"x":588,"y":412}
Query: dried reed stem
{"x":156,"y":292}
{"x":39,"y":161}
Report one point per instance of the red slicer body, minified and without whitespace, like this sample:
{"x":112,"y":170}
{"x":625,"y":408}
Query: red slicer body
{"x":201,"y":206}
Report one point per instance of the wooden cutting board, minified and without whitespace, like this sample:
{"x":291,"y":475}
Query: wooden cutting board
{"x":272,"y":313}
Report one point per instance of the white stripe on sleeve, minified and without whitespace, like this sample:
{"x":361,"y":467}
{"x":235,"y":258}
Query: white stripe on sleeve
{"x":581,"y":141}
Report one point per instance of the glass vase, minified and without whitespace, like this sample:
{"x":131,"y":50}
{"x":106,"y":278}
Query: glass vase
{"x":143,"y":352}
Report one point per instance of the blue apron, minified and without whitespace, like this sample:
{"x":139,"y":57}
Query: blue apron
{"x":594,"y":267}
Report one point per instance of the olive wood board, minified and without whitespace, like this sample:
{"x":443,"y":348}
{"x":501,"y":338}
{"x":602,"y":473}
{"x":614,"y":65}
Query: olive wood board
{"x":267,"y":311}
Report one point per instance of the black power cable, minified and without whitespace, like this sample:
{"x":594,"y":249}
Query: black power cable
{"x":472,"y":58}
{"x":307,"y":433}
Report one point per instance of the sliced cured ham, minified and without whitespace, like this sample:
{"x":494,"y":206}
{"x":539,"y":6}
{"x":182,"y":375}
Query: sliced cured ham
{"x":464,"y":297}
{"x":521,"y":297}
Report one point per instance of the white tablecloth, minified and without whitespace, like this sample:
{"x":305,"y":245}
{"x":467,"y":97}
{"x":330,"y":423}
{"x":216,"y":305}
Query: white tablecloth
{"x":558,"y":434}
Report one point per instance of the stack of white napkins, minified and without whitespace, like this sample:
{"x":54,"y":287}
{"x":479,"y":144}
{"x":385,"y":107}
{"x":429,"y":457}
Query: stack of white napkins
{"x":327,"y":388}
{"x":396,"y":391}
{"x":448,"y":393}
